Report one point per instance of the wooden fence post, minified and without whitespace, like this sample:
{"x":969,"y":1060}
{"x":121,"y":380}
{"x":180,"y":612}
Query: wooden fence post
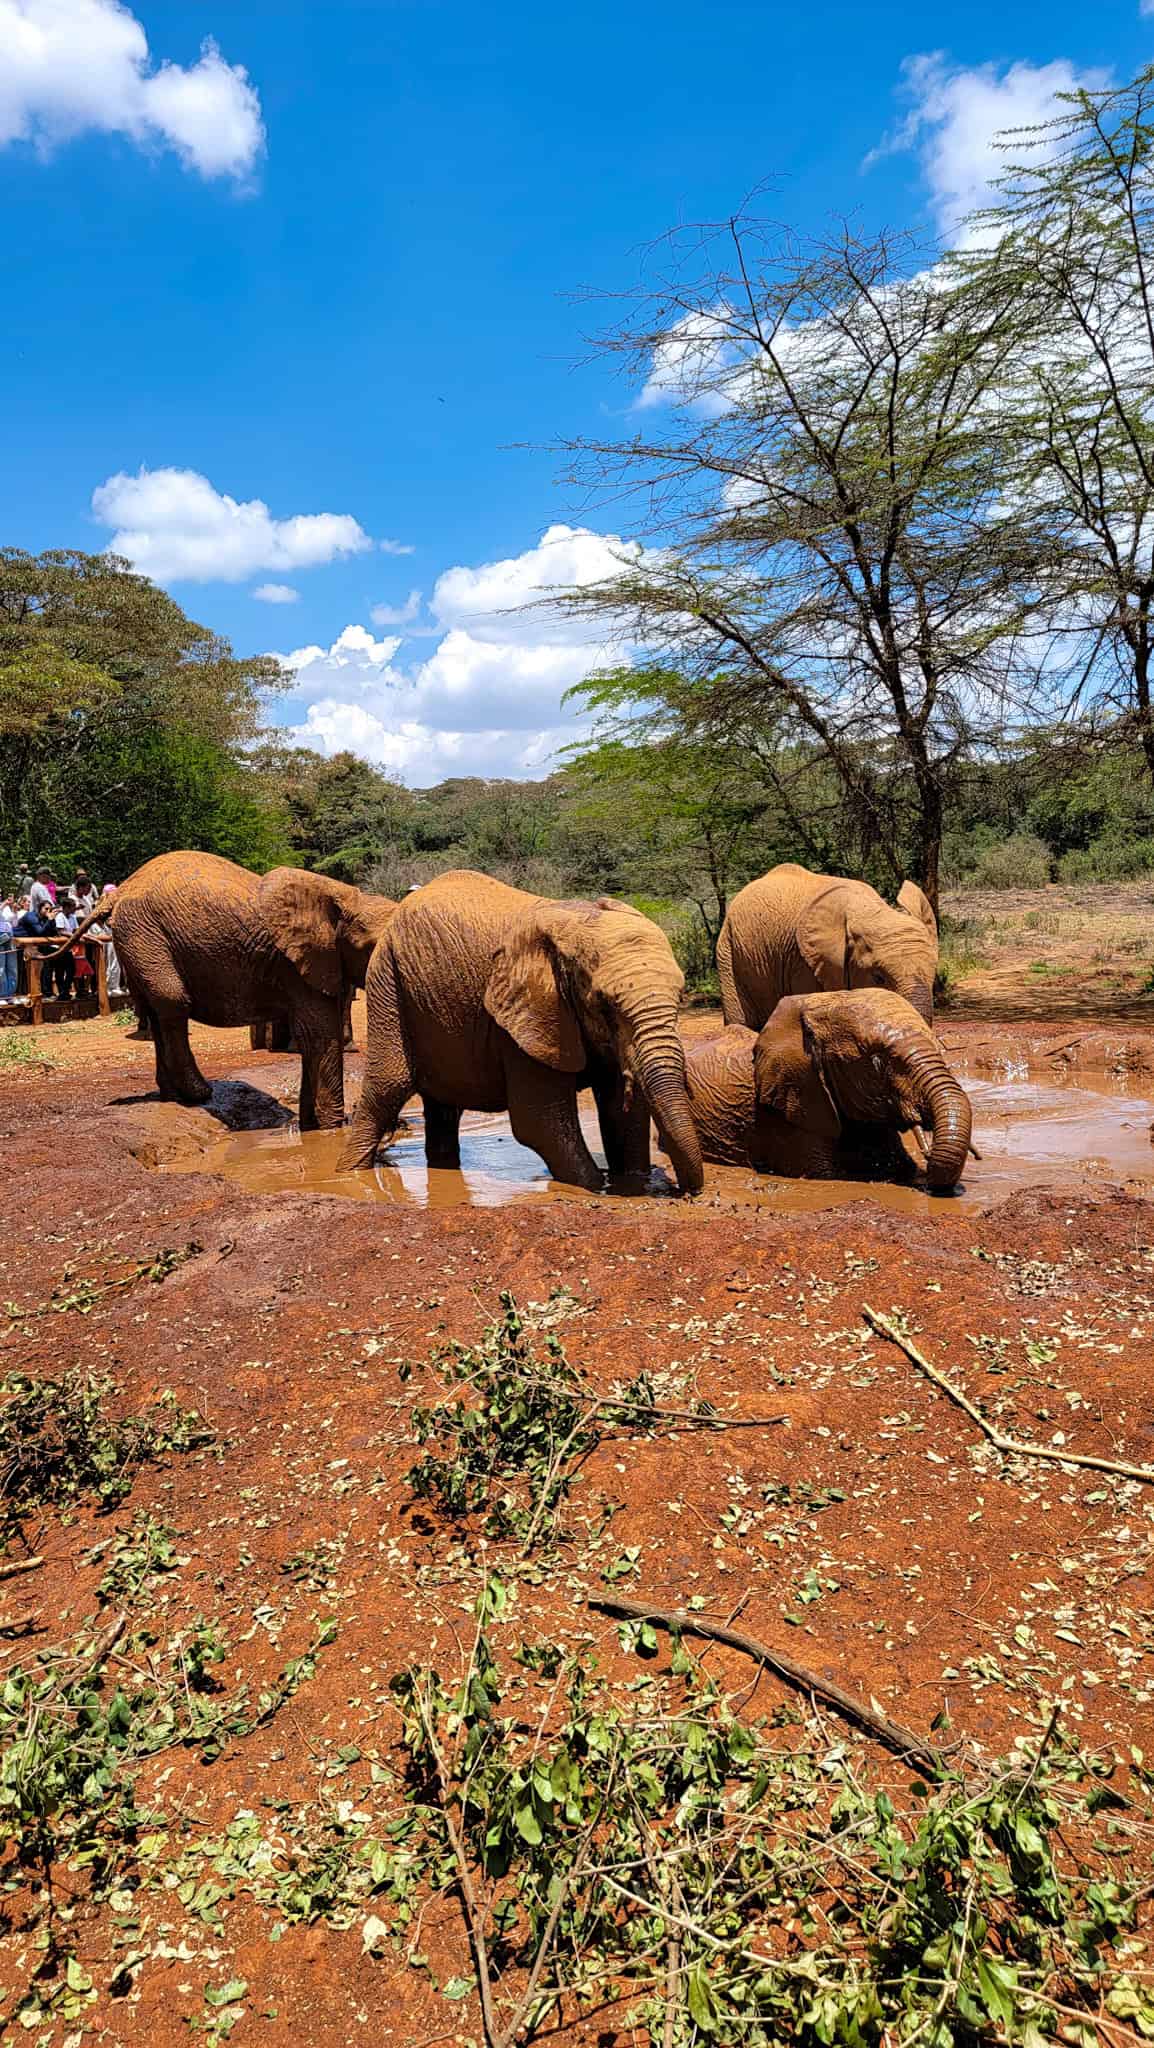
{"x":102,"y":1001}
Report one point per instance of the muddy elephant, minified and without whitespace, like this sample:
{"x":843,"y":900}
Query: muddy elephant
{"x":791,"y":932}
{"x":203,"y":941}
{"x":824,"y":1091}
{"x":480,"y":996}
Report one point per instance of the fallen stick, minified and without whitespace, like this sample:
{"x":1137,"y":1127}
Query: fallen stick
{"x":1012,"y":1446}
{"x":679,"y":1621}
{"x":13,"y":1569}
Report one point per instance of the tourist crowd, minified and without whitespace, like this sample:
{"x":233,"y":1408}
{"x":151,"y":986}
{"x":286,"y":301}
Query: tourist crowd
{"x":39,"y":907}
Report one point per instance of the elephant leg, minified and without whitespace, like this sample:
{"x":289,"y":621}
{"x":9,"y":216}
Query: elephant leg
{"x":317,"y":1030}
{"x":543,"y":1114}
{"x":389,"y":1080}
{"x":271,"y":1035}
{"x":442,"y":1133}
{"x":178,"y":1077}
{"x":623,"y":1115}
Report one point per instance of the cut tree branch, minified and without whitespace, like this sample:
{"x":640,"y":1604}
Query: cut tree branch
{"x":902,"y":1741}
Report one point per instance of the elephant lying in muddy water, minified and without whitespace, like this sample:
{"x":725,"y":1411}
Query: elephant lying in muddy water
{"x":481,"y":996}
{"x":825,"y":1089}
{"x":792,"y":931}
{"x":202,"y":940}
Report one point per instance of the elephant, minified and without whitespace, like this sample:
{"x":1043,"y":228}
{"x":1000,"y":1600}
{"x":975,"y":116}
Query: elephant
{"x":203,"y":940}
{"x":791,"y":932}
{"x":481,"y":996}
{"x":824,"y":1089}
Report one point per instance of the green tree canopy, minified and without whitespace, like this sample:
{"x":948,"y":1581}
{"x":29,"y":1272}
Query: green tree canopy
{"x":123,"y":723}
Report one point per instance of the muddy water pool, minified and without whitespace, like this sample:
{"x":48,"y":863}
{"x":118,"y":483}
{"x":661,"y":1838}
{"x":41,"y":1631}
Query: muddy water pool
{"x":1031,"y":1126}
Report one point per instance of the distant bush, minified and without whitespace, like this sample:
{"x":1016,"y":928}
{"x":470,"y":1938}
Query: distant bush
{"x":1108,"y":860}
{"x":1021,"y":862}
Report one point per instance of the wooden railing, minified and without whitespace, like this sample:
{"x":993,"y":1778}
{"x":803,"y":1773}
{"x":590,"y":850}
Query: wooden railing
{"x":33,"y":952}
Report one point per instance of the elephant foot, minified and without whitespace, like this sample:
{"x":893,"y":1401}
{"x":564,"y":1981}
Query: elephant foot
{"x":443,"y":1158}
{"x":356,"y":1159}
{"x":360,"y":1151}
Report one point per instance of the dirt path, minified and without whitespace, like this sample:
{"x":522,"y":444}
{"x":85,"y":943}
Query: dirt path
{"x":1054,"y":953}
{"x":874,"y":1535}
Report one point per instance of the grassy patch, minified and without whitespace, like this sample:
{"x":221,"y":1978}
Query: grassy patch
{"x":20,"y":1047}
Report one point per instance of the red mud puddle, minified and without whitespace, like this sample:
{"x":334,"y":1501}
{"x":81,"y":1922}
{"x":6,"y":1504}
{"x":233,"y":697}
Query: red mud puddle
{"x":1058,"y":1131}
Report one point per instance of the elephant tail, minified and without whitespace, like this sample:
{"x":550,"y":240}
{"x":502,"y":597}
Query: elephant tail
{"x":98,"y":913}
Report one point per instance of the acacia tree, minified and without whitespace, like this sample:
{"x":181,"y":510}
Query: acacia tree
{"x":1070,"y":247}
{"x":833,"y":558}
{"x":694,"y":816}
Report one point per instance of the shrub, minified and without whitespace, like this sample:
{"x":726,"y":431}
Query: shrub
{"x":1021,"y":862}
{"x":1107,"y":860}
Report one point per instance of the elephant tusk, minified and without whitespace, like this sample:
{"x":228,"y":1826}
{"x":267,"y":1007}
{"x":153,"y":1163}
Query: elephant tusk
{"x":974,"y":1152}
{"x":922,"y":1141}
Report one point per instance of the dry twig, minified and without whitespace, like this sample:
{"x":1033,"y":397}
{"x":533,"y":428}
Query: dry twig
{"x":1011,"y":1446}
{"x":12,"y":1568}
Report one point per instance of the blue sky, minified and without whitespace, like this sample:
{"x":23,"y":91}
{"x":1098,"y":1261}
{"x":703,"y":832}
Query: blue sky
{"x":277,"y":301}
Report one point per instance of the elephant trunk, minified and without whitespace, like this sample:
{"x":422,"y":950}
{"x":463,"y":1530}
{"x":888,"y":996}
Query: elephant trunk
{"x":944,"y":1110}
{"x":659,"y":1067}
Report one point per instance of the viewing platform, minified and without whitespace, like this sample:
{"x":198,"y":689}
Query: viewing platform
{"x":34,"y":1007}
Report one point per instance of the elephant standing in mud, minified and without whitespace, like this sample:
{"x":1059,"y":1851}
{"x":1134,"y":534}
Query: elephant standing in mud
{"x":201,"y":940}
{"x":480,"y":996}
{"x":825,"y":1089}
{"x":791,"y":932}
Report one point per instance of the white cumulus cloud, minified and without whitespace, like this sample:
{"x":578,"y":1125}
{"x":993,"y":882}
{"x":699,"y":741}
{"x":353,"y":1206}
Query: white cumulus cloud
{"x":175,"y":526}
{"x":509,"y":601}
{"x":488,"y":699}
{"x":398,"y":614}
{"x":956,"y":114}
{"x":71,"y":66}
{"x":276,"y":593}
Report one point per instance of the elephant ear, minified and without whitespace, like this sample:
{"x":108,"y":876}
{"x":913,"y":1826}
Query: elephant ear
{"x":303,"y":913}
{"x":823,"y":938}
{"x":788,"y":1075}
{"x":524,"y":997}
{"x":916,"y":903}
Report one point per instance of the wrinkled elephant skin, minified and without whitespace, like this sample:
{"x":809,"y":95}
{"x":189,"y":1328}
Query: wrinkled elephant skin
{"x":485,"y":997}
{"x":201,"y":940}
{"x":793,"y":932}
{"x":825,"y":1090}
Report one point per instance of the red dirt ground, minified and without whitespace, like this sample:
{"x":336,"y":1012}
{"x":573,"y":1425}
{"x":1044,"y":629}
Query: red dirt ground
{"x":949,"y":1576}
